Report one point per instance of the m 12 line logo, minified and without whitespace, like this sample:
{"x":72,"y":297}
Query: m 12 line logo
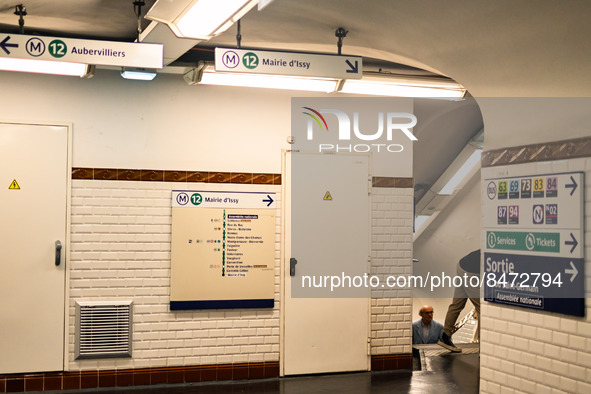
{"x":393,"y":123}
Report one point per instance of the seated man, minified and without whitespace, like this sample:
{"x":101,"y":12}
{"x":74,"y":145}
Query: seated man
{"x":426,"y":330}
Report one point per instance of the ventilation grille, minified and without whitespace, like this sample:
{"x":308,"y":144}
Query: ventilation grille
{"x":103,"y":330}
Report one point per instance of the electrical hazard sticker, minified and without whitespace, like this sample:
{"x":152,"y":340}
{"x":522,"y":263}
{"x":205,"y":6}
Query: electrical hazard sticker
{"x":14,"y":185}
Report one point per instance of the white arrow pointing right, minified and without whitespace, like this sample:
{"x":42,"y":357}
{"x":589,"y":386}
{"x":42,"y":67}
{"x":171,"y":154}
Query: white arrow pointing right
{"x":572,"y":271}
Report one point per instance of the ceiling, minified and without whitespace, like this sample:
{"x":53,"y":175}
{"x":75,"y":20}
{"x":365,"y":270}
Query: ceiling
{"x":494,"y":48}
{"x":100,"y":19}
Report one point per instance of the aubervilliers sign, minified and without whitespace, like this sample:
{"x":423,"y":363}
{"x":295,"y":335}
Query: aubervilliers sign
{"x":106,"y":53}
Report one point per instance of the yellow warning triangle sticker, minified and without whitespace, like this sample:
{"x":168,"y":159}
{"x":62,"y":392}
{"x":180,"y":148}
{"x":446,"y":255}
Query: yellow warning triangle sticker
{"x":14,"y":185}
{"x":327,"y":197}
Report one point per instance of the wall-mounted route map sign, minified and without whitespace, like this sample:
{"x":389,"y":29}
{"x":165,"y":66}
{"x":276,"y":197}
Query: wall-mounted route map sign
{"x":534,"y":241}
{"x":223,"y":250}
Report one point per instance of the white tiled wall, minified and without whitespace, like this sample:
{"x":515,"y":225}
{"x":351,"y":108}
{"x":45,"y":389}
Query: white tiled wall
{"x":120,"y":250}
{"x":523,"y":351}
{"x":392,"y":214}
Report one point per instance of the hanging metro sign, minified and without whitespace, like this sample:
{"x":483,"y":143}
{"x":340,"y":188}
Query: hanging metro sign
{"x":288,"y":63}
{"x":106,"y":53}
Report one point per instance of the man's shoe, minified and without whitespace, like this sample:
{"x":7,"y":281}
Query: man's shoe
{"x":446,"y":342}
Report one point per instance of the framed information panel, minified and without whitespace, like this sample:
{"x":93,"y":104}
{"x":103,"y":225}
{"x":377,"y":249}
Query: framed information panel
{"x":534,"y":241}
{"x":223,"y":250}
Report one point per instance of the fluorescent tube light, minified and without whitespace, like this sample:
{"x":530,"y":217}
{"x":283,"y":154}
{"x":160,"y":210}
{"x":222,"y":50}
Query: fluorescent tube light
{"x":422,"y":223}
{"x":420,"y":220}
{"x":464,"y":170}
{"x":382,"y":85}
{"x":385,"y":85}
{"x":44,"y":67}
{"x":201,"y":19}
{"x":264,"y":3}
{"x":138,"y":74}
{"x":210,"y":77}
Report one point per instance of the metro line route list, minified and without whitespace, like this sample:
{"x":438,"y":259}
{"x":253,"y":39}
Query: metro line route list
{"x":222,"y":257}
{"x":238,"y":239}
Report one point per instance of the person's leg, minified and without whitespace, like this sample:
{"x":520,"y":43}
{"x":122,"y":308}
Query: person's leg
{"x":456,"y":306}
{"x":458,"y":303}
{"x":453,"y":312}
{"x":474,"y":295}
{"x":476,"y":302}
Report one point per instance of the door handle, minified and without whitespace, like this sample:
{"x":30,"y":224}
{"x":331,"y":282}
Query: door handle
{"x":292,"y":264}
{"x":58,"y":252}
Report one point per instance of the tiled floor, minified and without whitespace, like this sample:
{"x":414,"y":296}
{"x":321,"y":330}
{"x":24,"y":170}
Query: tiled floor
{"x":442,"y":373}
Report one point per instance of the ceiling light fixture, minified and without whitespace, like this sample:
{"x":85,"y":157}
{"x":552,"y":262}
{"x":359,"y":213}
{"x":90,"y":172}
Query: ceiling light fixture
{"x":461,"y":173}
{"x":419,"y":221}
{"x":36,"y":65}
{"x":200,"y":19}
{"x":379,"y":84}
{"x":208,"y":76}
{"x":45,"y":67}
{"x":138,"y":74}
{"x":383,"y":85}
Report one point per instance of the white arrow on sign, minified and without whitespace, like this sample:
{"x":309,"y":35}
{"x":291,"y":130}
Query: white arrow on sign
{"x":574,"y":271}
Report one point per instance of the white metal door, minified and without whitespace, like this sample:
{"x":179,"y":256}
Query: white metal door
{"x":325,"y":334}
{"x":34,"y":171}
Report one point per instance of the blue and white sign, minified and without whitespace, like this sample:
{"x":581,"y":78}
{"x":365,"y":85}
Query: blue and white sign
{"x":207,"y":199}
{"x":538,"y":214}
{"x":106,"y":53}
{"x":549,"y":277}
{"x":288,"y":63}
{"x":534,"y":241}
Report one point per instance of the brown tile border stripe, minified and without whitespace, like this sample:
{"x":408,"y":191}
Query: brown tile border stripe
{"x":121,"y":174}
{"x":559,"y":150}
{"x":381,"y":181}
{"x":77,"y":380}
{"x":388,"y":362}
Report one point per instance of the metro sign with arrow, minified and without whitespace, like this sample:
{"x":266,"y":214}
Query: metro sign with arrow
{"x":296,"y":64}
{"x":97,"y":52}
{"x":546,"y":238}
{"x":227,"y":200}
